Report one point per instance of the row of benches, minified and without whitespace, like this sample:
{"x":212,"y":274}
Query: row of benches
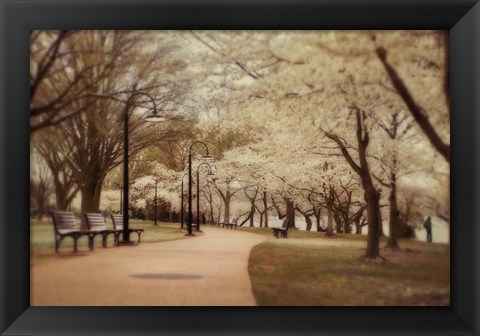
{"x":66,"y":225}
{"x":281,"y":231}
{"x":229,"y":224}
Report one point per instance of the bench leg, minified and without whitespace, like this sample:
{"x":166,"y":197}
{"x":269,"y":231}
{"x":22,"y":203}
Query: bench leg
{"x":104,"y":239}
{"x":57,"y":243}
{"x":90,"y":241}
{"x":139,"y":233}
{"x":75,"y":238}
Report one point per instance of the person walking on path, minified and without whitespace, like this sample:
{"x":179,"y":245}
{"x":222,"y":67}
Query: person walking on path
{"x":428,"y":226}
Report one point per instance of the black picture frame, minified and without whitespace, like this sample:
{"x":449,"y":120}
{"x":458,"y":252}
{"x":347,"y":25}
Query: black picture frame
{"x":17,"y":17}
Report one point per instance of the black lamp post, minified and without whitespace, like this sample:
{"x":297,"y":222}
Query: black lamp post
{"x":210,"y":173}
{"x":155,"y":202}
{"x":121,"y":200}
{"x":206,"y":156}
{"x":181,"y":202}
{"x":154,"y":117}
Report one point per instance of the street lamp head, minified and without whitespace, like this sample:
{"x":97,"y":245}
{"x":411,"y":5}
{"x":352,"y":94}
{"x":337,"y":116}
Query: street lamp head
{"x":208,"y":157}
{"x":210,"y":173}
{"x":155,"y":117}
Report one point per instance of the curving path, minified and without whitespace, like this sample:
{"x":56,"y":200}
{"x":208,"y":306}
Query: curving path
{"x":211,"y":269}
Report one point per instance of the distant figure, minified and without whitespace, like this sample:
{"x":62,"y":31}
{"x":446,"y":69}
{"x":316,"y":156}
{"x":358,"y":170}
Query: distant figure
{"x":428,"y":226}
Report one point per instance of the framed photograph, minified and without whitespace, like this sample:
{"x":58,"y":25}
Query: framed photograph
{"x":181,"y":161}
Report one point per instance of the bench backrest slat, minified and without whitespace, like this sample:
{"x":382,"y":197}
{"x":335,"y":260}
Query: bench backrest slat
{"x":95,"y":221}
{"x":117,"y":220}
{"x":64,"y":220}
{"x":233,"y":220}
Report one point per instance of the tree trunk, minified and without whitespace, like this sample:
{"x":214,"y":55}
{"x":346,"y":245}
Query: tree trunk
{"x":308,"y":220}
{"x":317,"y":214}
{"x":211,"y":211}
{"x":373,"y":206}
{"x":147,"y":210}
{"x":358,"y":226}
{"x":380,"y":221}
{"x":91,"y":198}
{"x":348,"y":226}
{"x":226,"y":210}
{"x":394,"y":214}
{"x":64,"y":193}
{"x":290,"y":212}
{"x":265,"y":206}
{"x":329,"y":230}
{"x":91,"y":193}
{"x":41,"y":199}
{"x":252,"y":213}
{"x":338,"y":222}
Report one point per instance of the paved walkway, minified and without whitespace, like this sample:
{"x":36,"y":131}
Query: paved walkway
{"x":211,"y":269}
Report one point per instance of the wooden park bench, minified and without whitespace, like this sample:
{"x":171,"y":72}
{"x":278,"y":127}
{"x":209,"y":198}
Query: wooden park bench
{"x":117,"y":220}
{"x":230,"y":224}
{"x":282,"y":230}
{"x":65,"y":225}
{"x":96,"y":222}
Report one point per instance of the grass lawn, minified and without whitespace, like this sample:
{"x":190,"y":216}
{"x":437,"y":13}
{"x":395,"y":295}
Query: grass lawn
{"x":320,"y":272}
{"x":42,"y":243}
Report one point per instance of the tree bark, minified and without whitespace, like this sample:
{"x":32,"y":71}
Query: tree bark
{"x":91,"y":192}
{"x":380,"y":222}
{"x":329,"y":230}
{"x":317,"y":213}
{"x":308,"y":220}
{"x":394,"y":214}
{"x":252,"y":212}
{"x":338,"y":222}
{"x":265,"y":206}
{"x":226,"y":209}
{"x":290,"y":212}
{"x":358,"y":226}
{"x":147,"y":210}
